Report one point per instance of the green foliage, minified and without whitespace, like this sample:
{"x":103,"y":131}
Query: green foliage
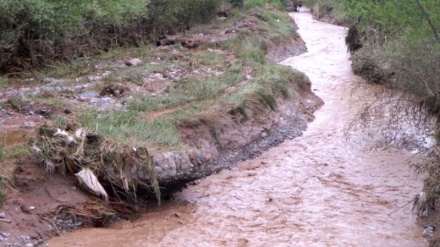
{"x":279,"y":4}
{"x":16,"y":102}
{"x":250,"y":49}
{"x":36,"y":32}
{"x":4,"y":82}
{"x":169,"y":16}
{"x":16,"y":151}
{"x":384,"y":19}
{"x":237,"y":3}
{"x":400,"y":39}
{"x":125,"y":126}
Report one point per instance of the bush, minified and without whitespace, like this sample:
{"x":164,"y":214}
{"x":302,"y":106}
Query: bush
{"x":279,"y":4}
{"x":36,"y":32}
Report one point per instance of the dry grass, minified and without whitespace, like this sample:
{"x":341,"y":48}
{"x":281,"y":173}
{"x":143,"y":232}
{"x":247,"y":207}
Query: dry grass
{"x":69,"y":151}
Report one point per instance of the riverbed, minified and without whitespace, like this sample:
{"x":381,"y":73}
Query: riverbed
{"x":320,"y":189}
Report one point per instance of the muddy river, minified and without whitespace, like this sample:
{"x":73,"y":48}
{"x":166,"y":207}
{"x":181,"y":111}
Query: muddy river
{"x":316,"y":190}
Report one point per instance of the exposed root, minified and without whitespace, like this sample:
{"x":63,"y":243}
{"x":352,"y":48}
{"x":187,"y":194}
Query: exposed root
{"x":117,"y":166}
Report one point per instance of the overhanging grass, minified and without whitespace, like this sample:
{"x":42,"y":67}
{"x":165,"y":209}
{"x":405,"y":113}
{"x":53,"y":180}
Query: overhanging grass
{"x":128,"y":127}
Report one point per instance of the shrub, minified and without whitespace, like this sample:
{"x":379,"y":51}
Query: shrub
{"x":36,"y":32}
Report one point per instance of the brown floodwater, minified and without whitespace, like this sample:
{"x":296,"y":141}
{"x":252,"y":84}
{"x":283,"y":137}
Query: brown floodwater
{"x":320,"y":189}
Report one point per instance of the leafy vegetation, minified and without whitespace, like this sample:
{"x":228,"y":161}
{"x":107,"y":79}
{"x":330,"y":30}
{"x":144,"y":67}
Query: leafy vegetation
{"x":35,"y":32}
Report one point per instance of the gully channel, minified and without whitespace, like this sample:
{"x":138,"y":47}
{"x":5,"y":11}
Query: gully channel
{"x":320,"y":189}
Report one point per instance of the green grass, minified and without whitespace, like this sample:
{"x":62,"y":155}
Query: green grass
{"x":248,"y":49}
{"x":210,"y":58}
{"x":264,"y":3}
{"x":128,"y":128}
{"x":16,"y":151}
{"x":60,"y":121}
{"x":16,"y":102}
{"x":4,"y":82}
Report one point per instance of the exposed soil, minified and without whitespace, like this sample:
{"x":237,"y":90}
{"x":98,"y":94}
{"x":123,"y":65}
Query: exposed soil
{"x":40,"y":205}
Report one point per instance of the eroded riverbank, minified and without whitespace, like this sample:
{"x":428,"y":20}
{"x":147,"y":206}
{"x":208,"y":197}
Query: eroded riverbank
{"x":316,"y":190}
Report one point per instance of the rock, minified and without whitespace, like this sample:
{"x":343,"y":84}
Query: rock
{"x":195,"y":157}
{"x":29,"y":245}
{"x":45,"y":112}
{"x":166,"y":41}
{"x":428,"y":230}
{"x":27,"y":125}
{"x":26,"y":209}
{"x":183,"y":163}
{"x":114,"y":89}
{"x":50,"y":80}
{"x":167,"y":163}
{"x":87,"y":96}
{"x":95,"y":78}
{"x":98,"y":102}
{"x":133,"y":62}
{"x":24,"y":239}
{"x":6,"y":234}
{"x":2,"y":215}
{"x":190,"y":43}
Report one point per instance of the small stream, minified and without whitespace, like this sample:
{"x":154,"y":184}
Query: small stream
{"x":320,"y":189}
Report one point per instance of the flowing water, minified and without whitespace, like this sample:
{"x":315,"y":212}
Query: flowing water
{"x":316,"y":190}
